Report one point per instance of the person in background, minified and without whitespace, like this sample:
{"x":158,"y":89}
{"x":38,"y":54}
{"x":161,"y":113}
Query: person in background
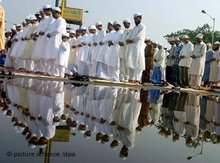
{"x":197,"y":67}
{"x":149,"y":61}
{"x":176,"y":76}
{"x":63,"y":56}
{"x":185,"y":61}
{"x":169,"y":63}
{"x":209,"y":54}
{"x":159,"y":58}
{"x":214,"y":67}
{"x":2,"y":27}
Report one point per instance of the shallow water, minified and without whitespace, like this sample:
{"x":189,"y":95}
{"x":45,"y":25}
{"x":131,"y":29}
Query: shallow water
{"x":126,"y":125}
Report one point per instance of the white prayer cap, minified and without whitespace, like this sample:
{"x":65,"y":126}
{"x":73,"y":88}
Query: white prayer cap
{"x":92,"y":27}
{"x":13,"y":27}
{"x":47,"y":6}
{"x":165,"y":47}
{"x":147,"y":39}
{"x":116,"y":23}
{"x":155,"y":42}
{"x":72,"y":31}
{"x":209,"y":44}
{"x":65,"y":35}
{"x":33,"y":17}
{"x":217,"y":43}
{"x":111,"y":23}
{"x":170,"y":39}
{"x":27,"y":17}
{"x":57,"y":9}
{"x":18,"y":25}
{"x":176,"y":39}
{"x":160,"y":45}
{"x":98,"y":23}
{"x":185,"y":37}
{"x":83,"y":28}
{"x":137,"y":14}
{"x":126,"y":20}
{"x":199,"y":35}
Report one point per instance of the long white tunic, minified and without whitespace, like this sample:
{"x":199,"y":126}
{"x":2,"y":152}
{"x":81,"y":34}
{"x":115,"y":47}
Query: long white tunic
{"x":64,"y":53}
{"x":135,"y":56}
{"x":41,"y":43}
{"x":83,"y":51}
{"x":112,"y":53}
{"x":159,"y":57}
{"x":72,"y":57}
{"x":57,"y":28}
{"x":198,"y":64}
{"x":15,"y":44}
{"x":124,"y":49}
{"x":97,"y":38}
{"x":186,"y":51}
{"x":214,"y":68}
{"x":104,"y":48}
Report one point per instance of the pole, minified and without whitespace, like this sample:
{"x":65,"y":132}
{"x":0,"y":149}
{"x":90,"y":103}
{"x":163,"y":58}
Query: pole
{"x":63,"y":3}
{"x":57,"y":3}
{"x":213,"y":31}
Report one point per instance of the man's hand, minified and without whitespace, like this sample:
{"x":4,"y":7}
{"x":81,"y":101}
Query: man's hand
{"x":168,"y":57}
{"x":173,"y":57}
{"x":41,"y":33}
{"x":34,"y":38}
{"x":95,"y":44}
{"x":83,"y":43}
{"x":79,"y":45}
{"x":89,"y":44}
{"x":213,"y":59}
{"x":155,"y":60}
{"x":73,"y":47}
{"x":48,"y":36}
{"x":15,"y":40}
{"x":129,"y":41}
{"x":181,"y":57}
{"x":101,"y":43}
{"x":121,"y":43}
{"x":193,"y":56}
{"x":110,"y":43}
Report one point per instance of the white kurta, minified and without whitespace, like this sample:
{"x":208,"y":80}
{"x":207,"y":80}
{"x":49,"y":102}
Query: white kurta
{"x":40,"y":45}
{"x":15,"y":45}
{"x":72,"y":57}
{"x":135,"y":56}
{"x":186,"y":51}
{"x":64,"y":53}
{"x":57,"y":28}
{"x":112,"y":53}
{"x":160,"y":58}
{"x":214,"y":68}
{"x":104,"y":48}
{"x":198,"y":64}
{"x":124,"y":49}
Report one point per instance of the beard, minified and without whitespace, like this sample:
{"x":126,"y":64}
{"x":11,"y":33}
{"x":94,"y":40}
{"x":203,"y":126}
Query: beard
{"x":216,"y":48}
{"x":137,"y":22}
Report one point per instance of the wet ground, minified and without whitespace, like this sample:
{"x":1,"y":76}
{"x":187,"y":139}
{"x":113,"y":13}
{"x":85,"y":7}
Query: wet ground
{"x":52,"y":121}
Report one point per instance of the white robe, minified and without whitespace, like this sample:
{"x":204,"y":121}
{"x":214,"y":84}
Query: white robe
{"x":57,"y":28}
{"x":64,"y":53}
{"x":135,"y":56}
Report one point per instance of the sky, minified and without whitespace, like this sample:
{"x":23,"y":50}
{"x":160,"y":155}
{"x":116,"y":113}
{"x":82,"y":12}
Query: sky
{"x":160,"y":16}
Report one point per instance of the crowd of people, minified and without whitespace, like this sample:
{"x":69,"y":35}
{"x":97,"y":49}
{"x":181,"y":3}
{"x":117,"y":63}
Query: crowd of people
{"x":43,"y":45}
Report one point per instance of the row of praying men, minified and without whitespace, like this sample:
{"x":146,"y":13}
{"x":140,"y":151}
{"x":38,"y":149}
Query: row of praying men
{"x":46,"y":48}
{"x":184,"y":65}
{"x":38,"y":106}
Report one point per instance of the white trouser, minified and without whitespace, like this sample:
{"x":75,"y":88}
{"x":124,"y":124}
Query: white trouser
{"x":123,"y":76}
{"x":113,"y":73}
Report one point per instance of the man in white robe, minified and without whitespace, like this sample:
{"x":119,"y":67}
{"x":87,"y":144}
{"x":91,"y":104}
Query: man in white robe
{"x":54,"y":34}
{"x":41,"y":44}
{"x":112,"y":53}
{"x":135,"y":56}
{"x":82,"y":66}
{"x":72,"y":58}
{"x":97,"y":38}
{"x":101,"y":65}
{"x":197,"y":67}
{"x":123,"y":50}
{"x":185,"y":61}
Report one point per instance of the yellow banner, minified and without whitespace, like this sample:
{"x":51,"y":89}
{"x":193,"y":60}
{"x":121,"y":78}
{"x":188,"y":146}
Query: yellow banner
{"x":72,"y":14}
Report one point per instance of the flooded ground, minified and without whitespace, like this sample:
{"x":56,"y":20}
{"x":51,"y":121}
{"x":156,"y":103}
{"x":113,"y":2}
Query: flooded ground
{"x":50,"y":121}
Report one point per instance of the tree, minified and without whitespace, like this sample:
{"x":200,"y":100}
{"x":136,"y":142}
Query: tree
{"x":206,"y":30}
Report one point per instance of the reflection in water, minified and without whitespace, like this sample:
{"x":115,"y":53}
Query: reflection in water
{"x":41,"y":109}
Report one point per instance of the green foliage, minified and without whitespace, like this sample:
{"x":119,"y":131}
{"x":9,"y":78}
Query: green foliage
{"x":206,"y":30}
